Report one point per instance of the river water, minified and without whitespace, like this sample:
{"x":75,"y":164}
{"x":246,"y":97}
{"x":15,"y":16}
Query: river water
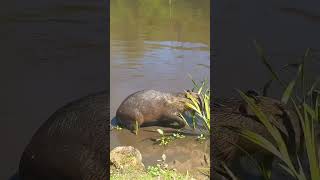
{"x":156,"y":44}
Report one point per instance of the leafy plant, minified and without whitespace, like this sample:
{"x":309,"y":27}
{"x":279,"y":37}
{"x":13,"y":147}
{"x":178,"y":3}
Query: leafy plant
{"x":201,"y":138}
{"x":165,"y":140}
{"x":162,"y":170}
{"x":178,"y":135}
{"x":308,"y":113}
{"x":280,"y":150}
{"x":200,"y":107}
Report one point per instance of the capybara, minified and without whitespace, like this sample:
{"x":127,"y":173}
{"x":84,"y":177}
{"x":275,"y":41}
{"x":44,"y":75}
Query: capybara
{"x":152,"y":107}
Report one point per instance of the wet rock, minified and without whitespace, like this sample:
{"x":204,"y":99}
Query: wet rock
{"x":125,"y":158}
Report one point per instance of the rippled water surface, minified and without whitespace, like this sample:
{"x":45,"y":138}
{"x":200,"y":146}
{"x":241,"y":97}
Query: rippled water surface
{"x":156,"y":44}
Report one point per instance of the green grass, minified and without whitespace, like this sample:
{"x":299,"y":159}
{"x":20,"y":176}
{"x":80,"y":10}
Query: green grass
{"x":308,"y":113}
{"x":152,"y":172}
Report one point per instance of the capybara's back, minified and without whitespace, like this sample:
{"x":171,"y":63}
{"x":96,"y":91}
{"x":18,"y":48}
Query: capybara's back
{"x":71,"y":144}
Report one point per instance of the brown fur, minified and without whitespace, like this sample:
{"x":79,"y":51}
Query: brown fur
{"x":71,"y":144}
{"x":150,"y":106}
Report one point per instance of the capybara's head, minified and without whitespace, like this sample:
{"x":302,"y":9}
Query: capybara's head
{"x":267,"y":105}
{"x":185,"y":97}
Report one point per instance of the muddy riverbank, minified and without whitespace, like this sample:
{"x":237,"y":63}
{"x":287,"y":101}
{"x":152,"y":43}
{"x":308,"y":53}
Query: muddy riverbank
{"x":185,"y":154}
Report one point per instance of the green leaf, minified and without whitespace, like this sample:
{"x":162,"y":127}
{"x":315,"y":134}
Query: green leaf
{"x":310,"y":146}
{"x":253,"y":160}
{"x":302,"y":71}
{"x":195,"y":102}
{"x":287,"y":93}
{"x":261,"y":141}
{"x":182,"y":117}
{"x":201,"y":87}
{"x":194,"y":83}
{"x":314,"y":85}
{"x":303,"y":176}
{"x":286,"y":169}
{"x":264,"y":59}
{"x":317,"y":109}
{"x":309,"y":110}
{"x":193,"y":99}
{"x":193,"y":108}
{"x":207,"y":107}
{"x":229,"y":172}
{"x":261,"y":117}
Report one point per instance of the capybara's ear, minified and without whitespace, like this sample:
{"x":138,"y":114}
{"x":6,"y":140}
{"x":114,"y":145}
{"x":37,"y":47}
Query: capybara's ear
{"x":189,"y":90}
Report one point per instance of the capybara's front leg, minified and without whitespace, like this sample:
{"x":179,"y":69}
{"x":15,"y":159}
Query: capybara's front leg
{"x":175,"y":118}
{"x":136,"y":127}
{"x":138,"y":120}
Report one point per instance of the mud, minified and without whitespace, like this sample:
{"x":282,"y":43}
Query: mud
{"x":185,"y":154}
